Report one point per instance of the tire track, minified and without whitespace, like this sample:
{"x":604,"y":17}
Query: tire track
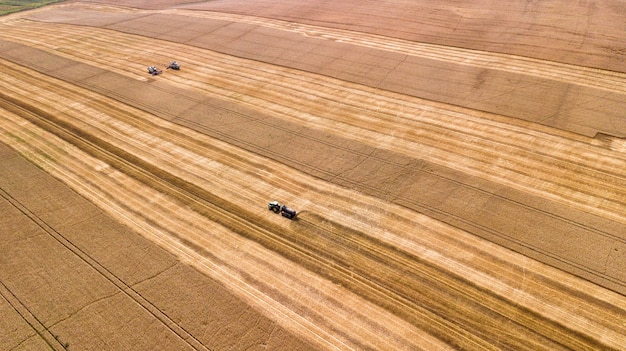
{"x":434,"y":290}
{"x":22,"y":310}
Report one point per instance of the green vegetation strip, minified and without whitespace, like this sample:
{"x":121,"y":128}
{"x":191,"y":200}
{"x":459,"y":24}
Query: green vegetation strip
{"x":10,"y":6}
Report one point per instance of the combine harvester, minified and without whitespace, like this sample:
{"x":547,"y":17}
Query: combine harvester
{"x":174,"y":65}
{"x":285,"y":211}
{"x":154,"y":71}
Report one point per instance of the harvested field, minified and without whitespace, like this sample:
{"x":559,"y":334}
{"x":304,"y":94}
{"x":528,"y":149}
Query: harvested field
{"x":456,"y":189}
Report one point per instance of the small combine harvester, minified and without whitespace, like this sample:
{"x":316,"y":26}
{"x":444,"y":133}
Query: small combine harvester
{"x":174,"y":65}
{"x":154,"y":71}
{"x":285,"y":211}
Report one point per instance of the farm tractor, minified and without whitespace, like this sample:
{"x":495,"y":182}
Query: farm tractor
{"x":285,"y":211}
